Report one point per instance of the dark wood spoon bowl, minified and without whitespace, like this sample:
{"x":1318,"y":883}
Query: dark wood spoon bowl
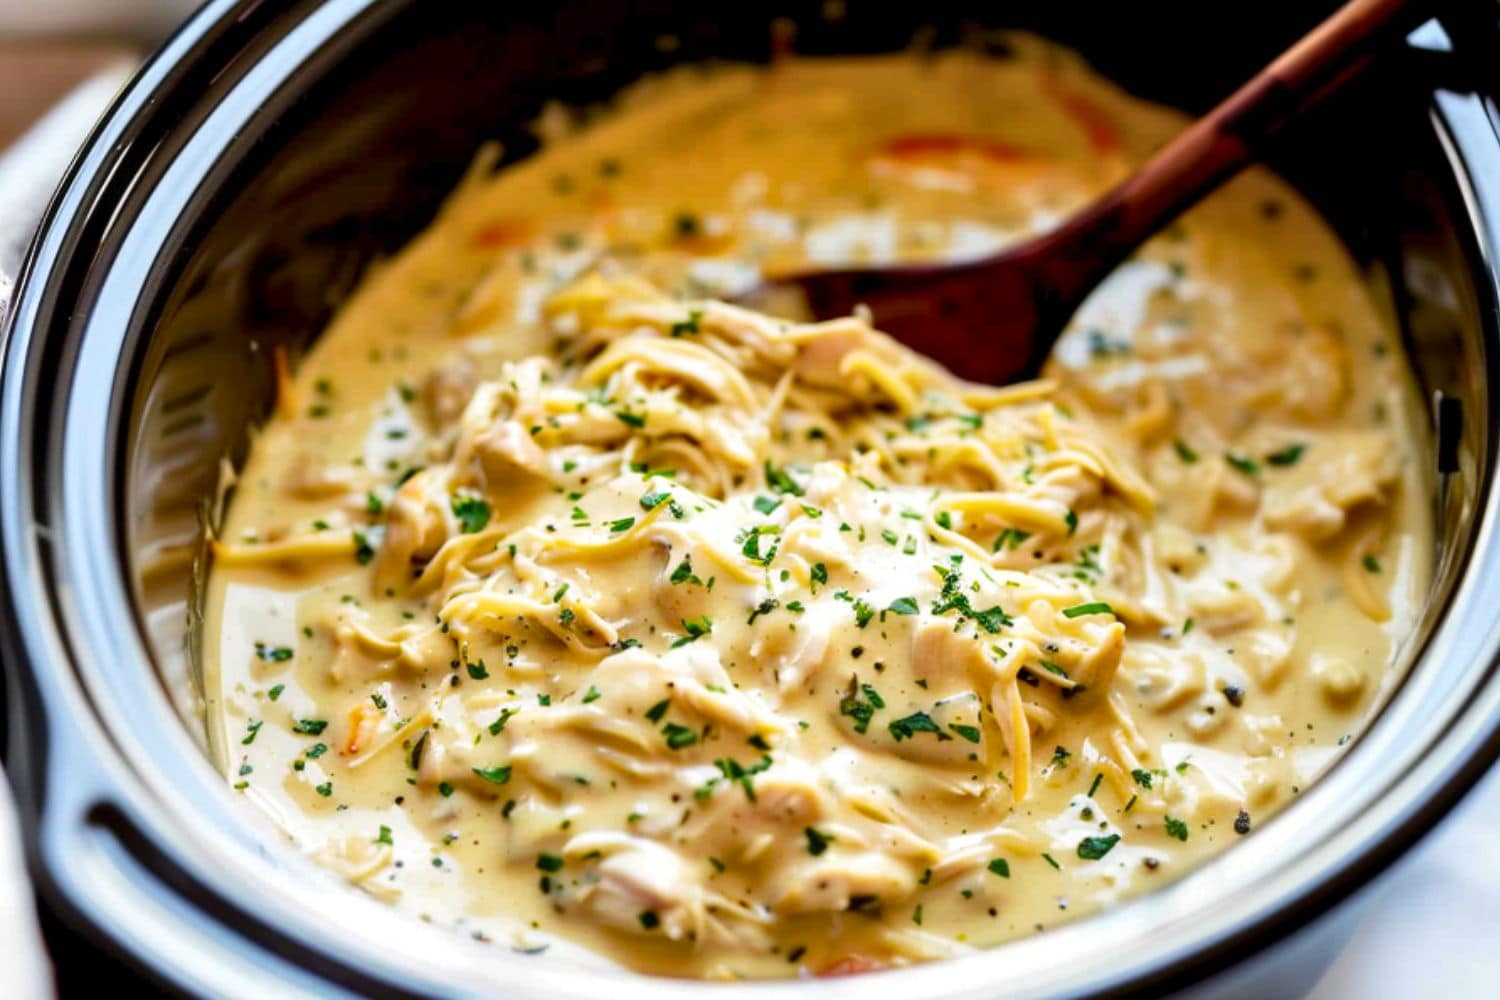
{"x":995,"y":319}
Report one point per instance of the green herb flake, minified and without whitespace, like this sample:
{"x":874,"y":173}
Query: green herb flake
{"x":1094,"y":848}
{"x":1286,"y":456}
{"x":679,"y":736}
{"x":473,"y":513}
{"x":1240,"y":463}
{"x":688,"y":326}
{"x":904,"y":606}
{"x":272,"y":654}
{"x":917,"y":722}
{"x":970,"y":733}
{"x":780,"y":481}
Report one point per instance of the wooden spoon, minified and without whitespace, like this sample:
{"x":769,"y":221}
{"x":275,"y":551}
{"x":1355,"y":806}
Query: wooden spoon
{"x":995,"y":319}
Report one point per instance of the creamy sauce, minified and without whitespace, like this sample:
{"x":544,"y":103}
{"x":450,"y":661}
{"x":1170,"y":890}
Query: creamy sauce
{"x":567,"y":605}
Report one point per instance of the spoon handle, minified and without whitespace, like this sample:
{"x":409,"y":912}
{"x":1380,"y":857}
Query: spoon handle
{"x":1081,"y":252}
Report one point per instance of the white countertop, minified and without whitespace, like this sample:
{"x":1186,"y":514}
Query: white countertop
{"x":1434,"y":932}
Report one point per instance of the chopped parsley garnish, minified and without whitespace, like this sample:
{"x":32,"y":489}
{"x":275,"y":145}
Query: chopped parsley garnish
{"x":765,"y":505}
{"x":272,"y":654}
{"x":734,"y":771}
{"x":363,"y":550}
{"x":1091,"y":608}
{"x":970,"y":733}
{"x":862,"y":613}
{"x":861,"y":711}
{"x":275,"y":692}
{"x":498,"y":726}
{"x":904,"y":606}
{"x":1142,"y":777}
{"x":689,"y":325}
{"x":592,"y":694}
{"x":1240,"y":463}
{"x":679,"y":736}
{"x":1176,"y":828}
{"x":1286,"y":456}
{"x":655,"y":499}
{"x":817,"y":842}
{"x":623,"y":524}
{"x":549,"y":863}
{"x":765,"y":607}
{"x":953,"y":598}
{"x":1094,"y":848}
{"x":1010,"y":538}
{"x":478,"y":671}
{"x":473,"y":513}
{"x":999,"y":866}
{"x":917,"y":722}
{"x":657,"y":711}
{"x":636,"y":420}
{"x":498,"y":775}
{"x":696,"y":628}
{"x":684,"y":572}
{"x":780,"y":481}
{"x":309,"y":727}
{"x":1184,"y":452}
{"x":818,"y":573}
{"x":384,"y":836}
{"x":250,"y":732}
{"x":1371,"y":563}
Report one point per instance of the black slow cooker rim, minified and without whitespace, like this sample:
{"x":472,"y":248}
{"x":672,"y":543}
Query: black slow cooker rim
{"x":74,"y":768}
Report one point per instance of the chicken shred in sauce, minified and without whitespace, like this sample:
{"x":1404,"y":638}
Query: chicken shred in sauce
{"x":564,"y":603}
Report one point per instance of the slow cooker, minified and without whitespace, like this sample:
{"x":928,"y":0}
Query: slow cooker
{"x":234,"y":195}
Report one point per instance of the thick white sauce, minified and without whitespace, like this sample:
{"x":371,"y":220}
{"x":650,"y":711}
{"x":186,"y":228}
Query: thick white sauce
{"x":890,"y":665}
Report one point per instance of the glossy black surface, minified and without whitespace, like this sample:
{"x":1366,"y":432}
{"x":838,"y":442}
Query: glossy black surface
{"x":232,"y":200}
